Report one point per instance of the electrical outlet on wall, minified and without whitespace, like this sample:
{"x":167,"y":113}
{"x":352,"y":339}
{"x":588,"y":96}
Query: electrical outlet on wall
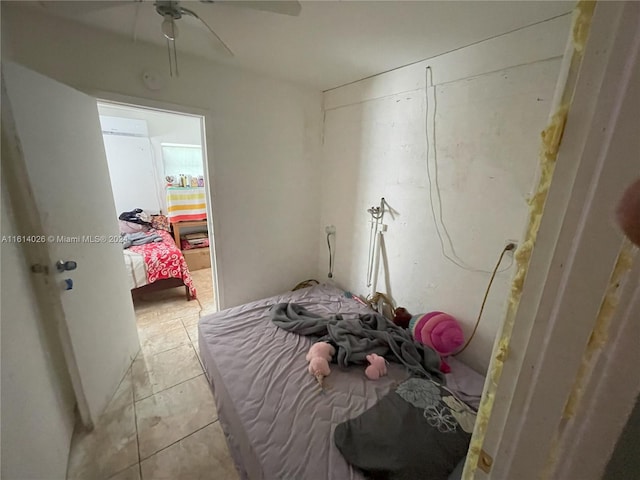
{"x":330,"y":229}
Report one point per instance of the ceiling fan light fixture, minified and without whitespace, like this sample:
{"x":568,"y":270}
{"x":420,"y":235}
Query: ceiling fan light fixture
{"x":169,"y":28}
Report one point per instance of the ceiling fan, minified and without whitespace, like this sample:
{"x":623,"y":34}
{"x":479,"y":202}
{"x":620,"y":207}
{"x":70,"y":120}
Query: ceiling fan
{"x":172,"y":11}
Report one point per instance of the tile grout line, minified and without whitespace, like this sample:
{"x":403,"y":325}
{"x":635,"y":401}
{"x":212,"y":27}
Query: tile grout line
{"x":135,"y":421}
{"x":177,"y":441}
{"x":194,"y":349}
{"x":135,"y":418}
{"x":180,"y":319}
{"x":168,"y":349}
{"x":122,"y":470}
{"x":129,"y":370}
{"x":165,"y":389}
{"x":198,"y":357}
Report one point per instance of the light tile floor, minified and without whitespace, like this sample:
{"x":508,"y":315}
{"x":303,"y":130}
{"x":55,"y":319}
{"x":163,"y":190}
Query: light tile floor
{"x":162,"y":421}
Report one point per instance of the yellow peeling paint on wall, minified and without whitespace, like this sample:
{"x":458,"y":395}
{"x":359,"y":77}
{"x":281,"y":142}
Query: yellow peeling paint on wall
{"x":551,"y":139}
{"x":582,"y":22}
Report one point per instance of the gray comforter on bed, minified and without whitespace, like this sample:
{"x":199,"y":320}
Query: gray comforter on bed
{"x":355,"y":338}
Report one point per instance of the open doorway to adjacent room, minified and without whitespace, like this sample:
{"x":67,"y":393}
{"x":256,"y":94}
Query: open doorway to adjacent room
{"x":157,"y":163}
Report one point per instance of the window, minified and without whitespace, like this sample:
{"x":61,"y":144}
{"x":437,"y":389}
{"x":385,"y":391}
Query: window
{"x":182,"y":160}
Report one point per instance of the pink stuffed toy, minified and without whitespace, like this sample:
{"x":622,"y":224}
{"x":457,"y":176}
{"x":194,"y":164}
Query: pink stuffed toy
{"x":319,"y":356}
{"x":377,"y":367}
{"x":439,"y":331}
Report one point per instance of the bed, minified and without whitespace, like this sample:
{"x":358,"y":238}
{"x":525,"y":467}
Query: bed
{"x":157,"y":266}
{"x":277,"y":422}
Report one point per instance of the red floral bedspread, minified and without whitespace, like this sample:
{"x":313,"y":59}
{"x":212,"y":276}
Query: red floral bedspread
{"x":165,"y":260}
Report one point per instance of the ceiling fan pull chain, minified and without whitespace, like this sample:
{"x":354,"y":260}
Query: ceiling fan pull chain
{"x":169,"y":52}
{"x":175,"y":58}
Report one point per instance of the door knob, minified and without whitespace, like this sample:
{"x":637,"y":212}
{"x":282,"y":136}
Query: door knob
{"x":61,"y":265}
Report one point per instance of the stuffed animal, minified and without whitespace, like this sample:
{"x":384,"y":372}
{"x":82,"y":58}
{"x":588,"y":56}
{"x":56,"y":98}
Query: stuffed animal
{"x":377,"y":367}
{"x":401,"y":317}
{"x":439,"y":331}
{"x":319,"y":356}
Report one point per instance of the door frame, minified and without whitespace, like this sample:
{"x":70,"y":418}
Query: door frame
{"x":551,"y":366}
{"x":206,"y":118}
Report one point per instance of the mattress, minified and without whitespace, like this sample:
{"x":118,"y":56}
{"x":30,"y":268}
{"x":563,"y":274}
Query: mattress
{"x":278,"y":423}
{"x":136,"y":269}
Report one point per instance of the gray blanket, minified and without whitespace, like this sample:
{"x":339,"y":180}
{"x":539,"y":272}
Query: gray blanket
{"x":355,"y":338}
{"x":139,"y":238}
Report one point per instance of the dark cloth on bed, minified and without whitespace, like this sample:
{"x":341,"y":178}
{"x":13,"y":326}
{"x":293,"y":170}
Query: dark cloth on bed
{"x":419,"y":431}
{"x":355,"y":338}
{"x":134,"y":216}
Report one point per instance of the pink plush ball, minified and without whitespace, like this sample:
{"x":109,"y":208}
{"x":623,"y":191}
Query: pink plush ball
{"x":438,"y":330}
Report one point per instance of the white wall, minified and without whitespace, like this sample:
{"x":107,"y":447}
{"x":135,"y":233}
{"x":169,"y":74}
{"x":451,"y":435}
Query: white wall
{"x":493,"y":99}
{"x":163,"y":128}
{"x":262,"y":141}
{"x":134,"y":179}
{"x":37,"y":398}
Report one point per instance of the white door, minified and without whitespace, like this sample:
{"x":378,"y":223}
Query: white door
{"x":57,"y":131}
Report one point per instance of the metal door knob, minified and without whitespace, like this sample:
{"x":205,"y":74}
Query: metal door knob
{"x":61,"y":265}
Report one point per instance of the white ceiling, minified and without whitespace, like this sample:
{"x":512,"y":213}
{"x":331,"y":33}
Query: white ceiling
{"x":330,"y":43}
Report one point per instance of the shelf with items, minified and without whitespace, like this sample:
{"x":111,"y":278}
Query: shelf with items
{"x":199,"y":257}
{"x":186,"y":224}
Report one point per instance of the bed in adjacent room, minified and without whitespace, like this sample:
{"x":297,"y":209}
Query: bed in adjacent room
{"x":158,"y":265}
{"x":278,"y":422}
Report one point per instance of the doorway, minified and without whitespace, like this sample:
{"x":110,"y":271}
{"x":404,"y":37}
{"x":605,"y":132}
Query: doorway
{"x":157,"y":163}
{"x":159,"y":180}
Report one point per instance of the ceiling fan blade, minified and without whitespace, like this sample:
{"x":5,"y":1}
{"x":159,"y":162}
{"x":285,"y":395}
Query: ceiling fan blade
{"x":79,"y":8}
{"x":284,"y":7}
{"x":186,"y":11}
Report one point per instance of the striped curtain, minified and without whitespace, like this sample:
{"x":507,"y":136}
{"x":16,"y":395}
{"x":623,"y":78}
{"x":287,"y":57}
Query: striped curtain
{"x":185,"y":204}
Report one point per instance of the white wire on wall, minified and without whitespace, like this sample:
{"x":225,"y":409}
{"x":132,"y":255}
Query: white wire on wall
{"x":453,"y":258}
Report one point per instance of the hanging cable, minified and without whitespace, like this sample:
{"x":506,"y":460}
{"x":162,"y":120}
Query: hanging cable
{"x":175,"y":58}
{"x":454,"y":258}
{"x":508,"y":247}
{"x":170,"y":31}
{"x":170,"y":64}
{"x":330,"y":275}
